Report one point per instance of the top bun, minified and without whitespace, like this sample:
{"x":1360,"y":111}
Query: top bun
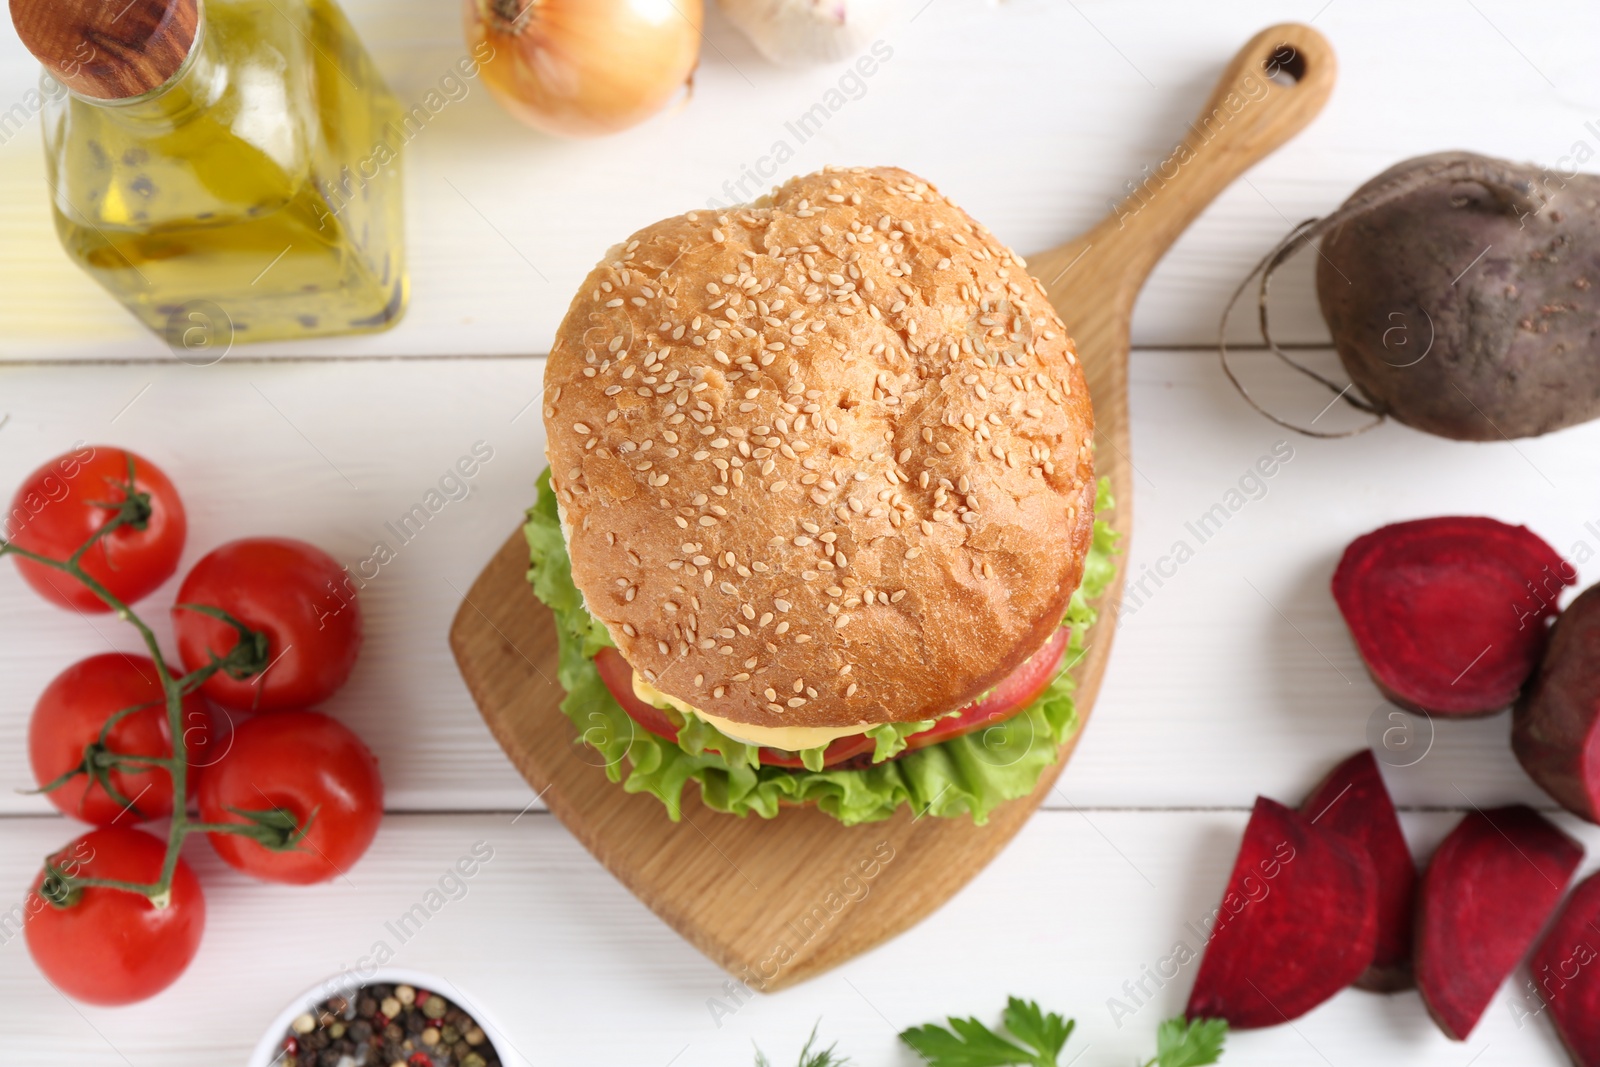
{"x":823,"y":460}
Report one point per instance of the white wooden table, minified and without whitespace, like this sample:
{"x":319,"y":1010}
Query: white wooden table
{"x":1234,"y":678}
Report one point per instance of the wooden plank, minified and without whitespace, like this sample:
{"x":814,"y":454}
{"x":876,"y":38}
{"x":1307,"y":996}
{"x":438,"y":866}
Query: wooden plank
{"x":333,"y":453}
{"x":579,"y":972}
{"x":1076,"y":100}
{"x":1211,"y":697}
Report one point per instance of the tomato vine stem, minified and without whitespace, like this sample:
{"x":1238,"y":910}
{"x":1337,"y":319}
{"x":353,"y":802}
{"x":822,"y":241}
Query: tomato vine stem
{"x":274,"y":829}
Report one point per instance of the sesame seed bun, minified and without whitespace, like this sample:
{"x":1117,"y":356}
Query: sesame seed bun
{"x":823,"y":460}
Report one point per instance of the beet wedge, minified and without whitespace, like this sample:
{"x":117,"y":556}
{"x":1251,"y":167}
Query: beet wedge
{"x":1555,"y":731}
{"x":1354,"y":803}
{"x":1298,"y":923}
{"x":1566,"y":973}
{"x":1450,"y":614}
{"x":1488,"y":892}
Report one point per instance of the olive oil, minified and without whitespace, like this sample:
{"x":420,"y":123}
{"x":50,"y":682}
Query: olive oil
{"x":254,"y":186}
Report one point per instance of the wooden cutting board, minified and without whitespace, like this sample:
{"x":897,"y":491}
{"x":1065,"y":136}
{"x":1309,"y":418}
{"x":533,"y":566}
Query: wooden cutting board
{"x":776,"y":902}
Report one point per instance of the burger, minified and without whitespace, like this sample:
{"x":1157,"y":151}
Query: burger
{"x":819,"y":520}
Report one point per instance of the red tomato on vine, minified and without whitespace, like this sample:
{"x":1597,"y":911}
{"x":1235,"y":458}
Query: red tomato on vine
{"x":295,"y":597}
{"x":66,"y":730}
{"x":64,"y":503}
{"x":107,"y":945}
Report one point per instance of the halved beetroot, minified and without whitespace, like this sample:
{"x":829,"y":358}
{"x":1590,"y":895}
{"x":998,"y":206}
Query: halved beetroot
{"x":1487,"y":894}
{"x":1566,"y":972}
{"x":1556,"y":729}
{"x":1354,"y":803}
{"x":1449,"y":614}
{"x":1298,"y":923}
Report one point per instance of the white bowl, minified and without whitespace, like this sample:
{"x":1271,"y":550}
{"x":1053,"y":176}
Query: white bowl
{"x":270,"y":1047}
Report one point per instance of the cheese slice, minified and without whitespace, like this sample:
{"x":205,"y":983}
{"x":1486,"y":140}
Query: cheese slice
{"x":788,"y":738}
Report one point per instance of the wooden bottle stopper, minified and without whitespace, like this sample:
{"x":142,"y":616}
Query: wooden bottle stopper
{"x":108,"y":49}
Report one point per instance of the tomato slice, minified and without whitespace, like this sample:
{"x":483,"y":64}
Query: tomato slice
{"x":1015,"y":692}
{"x":617,"y":674}
{"x":1019,"y":689}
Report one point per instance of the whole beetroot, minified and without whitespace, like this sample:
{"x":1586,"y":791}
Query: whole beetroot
{"x":1555,"y":730}
{"x":1463,"y":295}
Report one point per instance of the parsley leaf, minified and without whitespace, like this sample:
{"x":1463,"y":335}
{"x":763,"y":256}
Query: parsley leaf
{"x":1047,"y":1033}
{"x":1034,"y":1038}
{"x":820,"y":1058}
{"x":969,"y":1043}
{"x":1189,"y":1044}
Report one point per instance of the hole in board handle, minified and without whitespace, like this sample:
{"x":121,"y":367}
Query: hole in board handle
{"x":1285,"y":66}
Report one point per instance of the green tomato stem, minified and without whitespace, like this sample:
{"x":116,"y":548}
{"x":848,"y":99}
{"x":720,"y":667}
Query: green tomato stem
{"x":134,"y":510}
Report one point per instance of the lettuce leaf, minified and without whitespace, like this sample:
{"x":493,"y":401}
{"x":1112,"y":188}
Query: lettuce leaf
{"x":969,"y":775}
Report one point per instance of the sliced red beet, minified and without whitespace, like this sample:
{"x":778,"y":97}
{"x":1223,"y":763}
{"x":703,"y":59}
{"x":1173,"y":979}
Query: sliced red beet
{"x":1449,"y":614}
{"x":1298,"y":923}
{"x":1354,"y":803}
{"x":1556,"y":729}
{"x":1487,"y":894}
{"x":1566,"y":973}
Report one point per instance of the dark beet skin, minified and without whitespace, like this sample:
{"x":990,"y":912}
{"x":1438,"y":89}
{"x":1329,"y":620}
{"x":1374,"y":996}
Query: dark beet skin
{"x":1487,"y":894}
{"x":1515,"y":334}
{"x":1566,"y":973}
{"x":1556,"y":729}
{"x":1450,"y":615}
{"x":1354,"y":803}
{"x":1298,"y":923}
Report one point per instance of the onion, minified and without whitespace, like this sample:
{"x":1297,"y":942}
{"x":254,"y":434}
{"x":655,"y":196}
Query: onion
{"x":582,"y":68}
{"x":798,"y":32}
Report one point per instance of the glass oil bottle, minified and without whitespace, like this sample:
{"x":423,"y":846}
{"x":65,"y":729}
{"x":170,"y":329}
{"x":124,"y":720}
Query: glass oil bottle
{"x":225,"y":170}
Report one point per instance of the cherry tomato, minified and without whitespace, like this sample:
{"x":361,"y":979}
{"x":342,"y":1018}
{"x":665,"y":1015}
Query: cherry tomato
{"x":308,"y":765}
{"x":292,"y":592}
{"x":1019,"y":689}
{"x":111,"y":946}
{"x":617,"y":675}
{"x":69,"y":716}
{"x":61,"y":505}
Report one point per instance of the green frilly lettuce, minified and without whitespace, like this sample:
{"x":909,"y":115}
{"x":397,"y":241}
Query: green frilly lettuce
{"x":966,"y":775}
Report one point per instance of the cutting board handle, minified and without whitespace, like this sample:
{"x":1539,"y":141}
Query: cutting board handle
{"x":1271,"y":90}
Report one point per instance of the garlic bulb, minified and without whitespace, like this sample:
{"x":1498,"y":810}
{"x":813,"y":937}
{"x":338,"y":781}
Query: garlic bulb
{"x":799,"y":32}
